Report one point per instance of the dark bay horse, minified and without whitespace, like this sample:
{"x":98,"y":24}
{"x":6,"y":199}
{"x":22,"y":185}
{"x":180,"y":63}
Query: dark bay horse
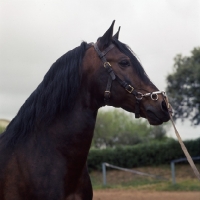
{"x":44,"y":149}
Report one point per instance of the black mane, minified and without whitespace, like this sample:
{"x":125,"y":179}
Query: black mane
{"x":137,"y":65}
{"x":57,"y":92}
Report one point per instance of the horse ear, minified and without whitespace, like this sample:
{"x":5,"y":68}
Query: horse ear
{"x":106,"y":39}
{"x":116,"y":36}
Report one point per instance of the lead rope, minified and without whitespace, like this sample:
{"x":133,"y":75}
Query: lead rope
{"x":196,"y":172}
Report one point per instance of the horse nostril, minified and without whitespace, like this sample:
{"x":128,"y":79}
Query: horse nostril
{"x":164,"y":106}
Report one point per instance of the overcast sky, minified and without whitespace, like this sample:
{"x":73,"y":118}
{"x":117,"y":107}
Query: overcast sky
{"x":33,"y":34}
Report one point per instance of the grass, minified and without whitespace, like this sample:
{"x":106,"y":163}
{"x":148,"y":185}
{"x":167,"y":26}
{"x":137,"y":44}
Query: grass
{"x":185,"y":179}
{"x":184,"y":185}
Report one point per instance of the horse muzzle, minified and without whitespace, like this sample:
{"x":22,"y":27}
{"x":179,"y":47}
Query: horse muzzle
{"x":157,"y":116}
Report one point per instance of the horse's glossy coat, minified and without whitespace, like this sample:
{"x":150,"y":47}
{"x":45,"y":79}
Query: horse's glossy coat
{"x":43,"y":151}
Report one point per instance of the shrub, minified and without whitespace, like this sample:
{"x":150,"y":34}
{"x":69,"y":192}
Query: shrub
{"x":154,"y":153}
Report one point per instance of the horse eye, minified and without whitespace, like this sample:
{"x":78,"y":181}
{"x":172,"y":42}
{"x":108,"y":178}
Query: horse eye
{"x":124,"y":63}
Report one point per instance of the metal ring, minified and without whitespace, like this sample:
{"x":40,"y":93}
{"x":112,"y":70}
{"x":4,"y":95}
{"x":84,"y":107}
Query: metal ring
{"x":139,"y":96}
{"x":154,"y":98}
{"x":163,"y":93}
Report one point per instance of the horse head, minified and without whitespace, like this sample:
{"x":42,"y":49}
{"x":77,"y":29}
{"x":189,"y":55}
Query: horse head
{"x":116,"y":78}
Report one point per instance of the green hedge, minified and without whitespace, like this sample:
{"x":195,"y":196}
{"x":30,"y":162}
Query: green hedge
{"x":155,"y":153}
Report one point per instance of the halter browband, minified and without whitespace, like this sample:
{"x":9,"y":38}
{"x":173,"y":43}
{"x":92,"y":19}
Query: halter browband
{"x":129,"y":88}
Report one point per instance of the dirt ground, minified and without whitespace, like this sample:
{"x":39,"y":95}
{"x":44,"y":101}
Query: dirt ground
{"x":114,"y":194}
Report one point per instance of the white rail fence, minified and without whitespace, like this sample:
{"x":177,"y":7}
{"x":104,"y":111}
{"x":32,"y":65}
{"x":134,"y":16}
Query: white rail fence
{"x":172,"y":164}
{"x":104,"y":165}
{"x":177,"y":161}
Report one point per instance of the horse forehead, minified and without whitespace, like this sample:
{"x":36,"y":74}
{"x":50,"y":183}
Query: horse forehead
{"x":115,"y":53}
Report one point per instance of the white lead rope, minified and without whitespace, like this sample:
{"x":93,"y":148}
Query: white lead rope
{"x":196,"y":172}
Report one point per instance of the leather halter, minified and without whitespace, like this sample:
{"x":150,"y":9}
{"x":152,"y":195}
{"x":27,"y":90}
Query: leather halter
{"x":129,"y":88}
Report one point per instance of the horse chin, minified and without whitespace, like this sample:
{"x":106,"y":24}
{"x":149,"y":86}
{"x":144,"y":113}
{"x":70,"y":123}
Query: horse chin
{"x":154,"y":122}
{"x":153,"y":119}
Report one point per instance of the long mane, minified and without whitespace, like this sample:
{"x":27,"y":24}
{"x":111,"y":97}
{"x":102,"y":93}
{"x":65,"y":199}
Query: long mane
{"x":57,"y":92}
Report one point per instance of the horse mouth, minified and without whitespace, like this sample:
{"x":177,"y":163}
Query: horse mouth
{"x":153,"y":118}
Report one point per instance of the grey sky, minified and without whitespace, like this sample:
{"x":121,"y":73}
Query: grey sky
{"x":33,"y":34}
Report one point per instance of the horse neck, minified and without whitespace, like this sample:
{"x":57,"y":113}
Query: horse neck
{"x":74,"y":130}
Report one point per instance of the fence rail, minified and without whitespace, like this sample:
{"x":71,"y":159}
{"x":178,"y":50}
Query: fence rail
{"x":177,"y":161}
{"x":104,"y":165}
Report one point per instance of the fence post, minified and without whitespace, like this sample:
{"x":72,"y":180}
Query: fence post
{"x":173,"y":172}
{"x":104,"y":173}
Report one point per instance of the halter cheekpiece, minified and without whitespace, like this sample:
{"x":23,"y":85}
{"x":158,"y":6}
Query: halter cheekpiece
{"x":129,"y":88}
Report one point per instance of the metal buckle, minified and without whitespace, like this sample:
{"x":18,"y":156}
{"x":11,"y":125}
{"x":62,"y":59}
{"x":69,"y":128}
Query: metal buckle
{"x":107,"y":93}
{"x":106,"y":63}
{"x":131,"y":89}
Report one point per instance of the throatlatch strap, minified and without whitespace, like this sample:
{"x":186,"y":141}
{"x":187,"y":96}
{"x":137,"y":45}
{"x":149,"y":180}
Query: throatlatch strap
{"x":108,"y":89}
{"x":137,"y":109}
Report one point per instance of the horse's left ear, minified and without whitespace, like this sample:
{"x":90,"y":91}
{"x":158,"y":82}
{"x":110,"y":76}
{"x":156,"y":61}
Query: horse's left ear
{"x":117,"y":34}
{"x":106,"y":39}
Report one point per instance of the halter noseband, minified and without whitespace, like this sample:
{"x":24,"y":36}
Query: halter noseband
{"x":129,"y":88}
